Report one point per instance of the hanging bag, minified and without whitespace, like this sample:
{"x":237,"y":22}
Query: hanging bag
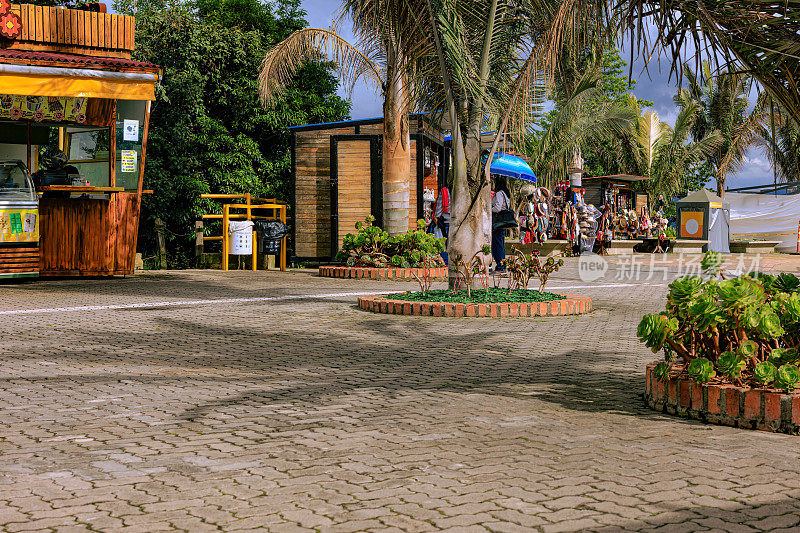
{"x":504,"y":218}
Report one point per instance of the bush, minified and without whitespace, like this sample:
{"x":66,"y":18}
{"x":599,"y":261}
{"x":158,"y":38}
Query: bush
{"x":744,"y":331}
{"x":373,"y":247}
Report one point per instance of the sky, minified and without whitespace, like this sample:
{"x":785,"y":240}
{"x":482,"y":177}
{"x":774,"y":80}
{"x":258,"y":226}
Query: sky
{"x":654,"y":86}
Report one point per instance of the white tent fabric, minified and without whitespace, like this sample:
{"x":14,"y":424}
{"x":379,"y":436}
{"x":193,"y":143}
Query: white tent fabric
{"x":718,"y":231}
{"x":765,"y":217}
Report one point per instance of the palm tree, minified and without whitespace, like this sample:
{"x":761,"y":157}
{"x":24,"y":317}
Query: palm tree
{"x":380,"y":60}
{"x":779,"y":136}
{"x":722,"y":103}
{"x":655,"y":149}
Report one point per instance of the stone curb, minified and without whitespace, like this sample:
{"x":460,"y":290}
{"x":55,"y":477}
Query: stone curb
{"x":726,"y":405}
{"x":399,"y":274}
{"x":572,"y":305}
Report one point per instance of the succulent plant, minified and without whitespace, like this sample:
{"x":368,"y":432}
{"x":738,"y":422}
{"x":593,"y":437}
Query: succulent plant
{"x":748,"y":349}
{"x":769,"y":325}
{"x":682,"y":293}
{"x":785,"y":282}
{"x":705,"y":312}
{"x":731,"y":364}
{"x":701,"y":370}
{"x":739,"y":294}
{"x":653,"y":331}
{"x":661,"y":371}
{"x":782,"y":356}
{"x":765,"y":372}
{"x":787,"y":377}
{"x":712,"y":263}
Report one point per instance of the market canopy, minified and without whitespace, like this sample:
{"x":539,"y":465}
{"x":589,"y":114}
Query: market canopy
{"x":512,"y":166}
{"x":76,"y":76}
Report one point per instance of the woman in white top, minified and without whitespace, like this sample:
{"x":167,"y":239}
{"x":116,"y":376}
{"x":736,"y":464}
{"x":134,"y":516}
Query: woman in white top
{"x":501,"y":201}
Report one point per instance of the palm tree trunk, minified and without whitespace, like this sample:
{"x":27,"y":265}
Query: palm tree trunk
{"x":721,"y":185}
{"x":396,"y":147}
{"x":470,"y":201}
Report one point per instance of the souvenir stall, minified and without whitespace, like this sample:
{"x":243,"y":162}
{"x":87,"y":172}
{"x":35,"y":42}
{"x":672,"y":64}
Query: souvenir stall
{"x":74,"y":112}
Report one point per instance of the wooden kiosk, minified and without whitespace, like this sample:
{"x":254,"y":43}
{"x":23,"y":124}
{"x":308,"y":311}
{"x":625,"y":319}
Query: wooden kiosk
{"x":338,"y":179}
{"x":68,"y":84}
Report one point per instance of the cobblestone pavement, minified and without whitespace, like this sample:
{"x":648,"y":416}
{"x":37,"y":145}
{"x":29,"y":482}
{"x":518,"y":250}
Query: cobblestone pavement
{"x":280,"y":406}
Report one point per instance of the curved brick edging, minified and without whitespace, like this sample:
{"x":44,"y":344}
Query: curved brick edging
{"x":400,"y":274}
{"x":572,"y":305}
{"x":726,"y":405}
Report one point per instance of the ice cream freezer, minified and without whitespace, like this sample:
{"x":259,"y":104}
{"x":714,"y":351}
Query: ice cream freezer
{"x":19,"y":222}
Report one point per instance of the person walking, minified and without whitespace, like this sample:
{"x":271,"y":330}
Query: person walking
{"x":501,"y":209}
{"x":441,"y":217}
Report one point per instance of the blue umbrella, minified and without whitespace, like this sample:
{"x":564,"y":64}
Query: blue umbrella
{"x":512,"y":166}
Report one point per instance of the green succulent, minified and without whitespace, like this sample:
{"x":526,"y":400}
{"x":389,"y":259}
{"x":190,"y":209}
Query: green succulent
{"x":765,"y":372}
{"x":748,"y":349}
{"x":731,"y":364}
{"x":653,"y":330}
{"x":786,"y":282}
{"x":788,"y":306}
{"x":682,"y":293}
{"x":712,"y":263}
{"x":782,"y":356}
{"x":740,"y":293}
{"x":705,"y":312}
{"x":661,"y":371}
{"x":701,"y":370}
{"x":787,"y":377}
{"x":769,"y":325}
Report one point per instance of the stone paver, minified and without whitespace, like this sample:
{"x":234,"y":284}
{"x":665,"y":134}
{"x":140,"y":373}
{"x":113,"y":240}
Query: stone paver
{"x":294,"y":410}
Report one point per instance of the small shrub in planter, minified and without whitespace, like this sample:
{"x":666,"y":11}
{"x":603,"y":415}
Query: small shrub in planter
{"x":744,"y":331}
{"x":370,"y":246}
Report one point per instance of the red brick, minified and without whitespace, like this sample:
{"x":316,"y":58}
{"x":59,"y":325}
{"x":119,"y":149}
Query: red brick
{"x":554,"y":307}
{"x":685,"y":393}
{"x":731,"y":401}
{"x":564,"y":307}
{"x":425,"y":309}
{"x":772,"y":406}
{"x":796,"y":410}
{"x":492,"y":309}
{"x":459,"y":310}
{"x":502,"y":310}
{"x":697,"y":397}
{"x":543,"y":308}
{"x":407,"y":308}
{"x":469,"y":310}
{"x":437,"y":309}
{"x":672,"y":391}
{"x":449,"y":310}
{"x":416,"y":308}
{"x":713,"y":399}
{"x":659,"y":390}
{"x":752,"y":404}
{"x":513,"y":310}
{"x":483,"y":309}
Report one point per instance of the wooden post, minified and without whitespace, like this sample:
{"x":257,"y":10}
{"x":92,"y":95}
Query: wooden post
{"x":283,"y":241}
{"x":162,"y":245}
{"x":225,"y":238}
{"x":198,"y":242}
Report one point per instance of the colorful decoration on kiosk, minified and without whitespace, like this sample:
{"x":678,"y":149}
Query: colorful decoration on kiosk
{"x":10,"y":23}
{"x":39,"y":108}
{"x":19,"y":225}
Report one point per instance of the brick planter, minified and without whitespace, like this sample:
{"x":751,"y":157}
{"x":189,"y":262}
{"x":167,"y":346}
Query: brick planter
{"x":572,"y":305}
{"x":398,"y":274}
{"x":766,"y":410}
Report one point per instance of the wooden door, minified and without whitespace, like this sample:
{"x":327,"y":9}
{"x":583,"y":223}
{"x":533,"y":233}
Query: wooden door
{"x":356,"y":185}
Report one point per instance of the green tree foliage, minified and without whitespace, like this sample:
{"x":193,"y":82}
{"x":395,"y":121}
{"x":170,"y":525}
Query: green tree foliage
{"x":208,"y":131}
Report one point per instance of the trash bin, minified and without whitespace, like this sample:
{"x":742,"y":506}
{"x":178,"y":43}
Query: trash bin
{"x":270,"y":233}
{"x":241,"y":237}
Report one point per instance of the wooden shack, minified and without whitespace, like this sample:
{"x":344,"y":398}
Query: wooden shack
{"x":68,"y":84}
{"x":616,"y":191}
{"x":338,"y":177}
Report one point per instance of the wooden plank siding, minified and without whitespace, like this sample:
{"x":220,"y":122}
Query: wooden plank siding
{"x":88,"y":236}
{"x":355,"y":192}
{"x":19,"y":259}
{"x":77,"y":31}
{"x":312,"y":192}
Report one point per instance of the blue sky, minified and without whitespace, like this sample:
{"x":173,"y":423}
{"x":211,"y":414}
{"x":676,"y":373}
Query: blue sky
{"x":654,"y":86}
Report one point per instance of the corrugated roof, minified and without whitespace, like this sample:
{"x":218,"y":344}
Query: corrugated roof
{"x":77,"y":60}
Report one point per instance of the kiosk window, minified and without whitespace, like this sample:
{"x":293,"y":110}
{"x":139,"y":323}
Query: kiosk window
{"x":14,"y":184}
{"x":89,"y":153}
{"x":130,"y":131}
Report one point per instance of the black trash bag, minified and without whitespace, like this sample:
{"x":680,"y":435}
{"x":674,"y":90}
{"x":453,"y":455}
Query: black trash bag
{"x":270,"y":233}
{"x":271,"y":229}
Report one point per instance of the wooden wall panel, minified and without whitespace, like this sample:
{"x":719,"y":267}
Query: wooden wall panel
{"x":46,"y":28}
{"x":355,"y":192}
{"x":88,"y":237}
{"x":19,"y":259}
{"x":312,"y":195}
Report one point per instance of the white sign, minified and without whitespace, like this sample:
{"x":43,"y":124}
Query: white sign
{"x":128,"y":160}
{"x":130,"y":131}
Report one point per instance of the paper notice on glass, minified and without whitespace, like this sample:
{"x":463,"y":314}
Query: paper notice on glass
{"x":130,"y":131}
{"x":128,"y":160}
{"x":30,"y":223}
